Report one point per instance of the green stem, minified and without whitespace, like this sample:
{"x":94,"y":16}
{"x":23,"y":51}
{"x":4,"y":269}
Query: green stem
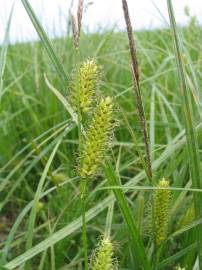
{"x":84,"y":231}
{"x":83,"y":181}
{"x":83,"y":197}
{"x":156,"y":257}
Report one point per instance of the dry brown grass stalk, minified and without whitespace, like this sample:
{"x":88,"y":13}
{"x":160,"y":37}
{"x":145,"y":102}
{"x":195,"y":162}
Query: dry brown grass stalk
{"x":136,"y":76}
{"x":79,"y":16}
{"x":77,"y":23}
{"x":75,"y":32}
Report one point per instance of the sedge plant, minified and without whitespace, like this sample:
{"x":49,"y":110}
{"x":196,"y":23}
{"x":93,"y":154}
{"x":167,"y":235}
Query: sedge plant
{"x":19,"y":159}
{"x":93,"y":137}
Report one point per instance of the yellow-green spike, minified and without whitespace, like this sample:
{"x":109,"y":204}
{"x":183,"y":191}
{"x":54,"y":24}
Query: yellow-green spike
{"x":96,"y":139}
{"x":160,"y":212}
{"x":103,"y":259}
{"x":83,"y":85}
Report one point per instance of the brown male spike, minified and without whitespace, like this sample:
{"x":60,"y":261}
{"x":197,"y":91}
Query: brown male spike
{"x":135,"y":75}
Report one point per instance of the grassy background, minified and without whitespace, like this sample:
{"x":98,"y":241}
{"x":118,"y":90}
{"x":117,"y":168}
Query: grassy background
{"x":32,"y":120}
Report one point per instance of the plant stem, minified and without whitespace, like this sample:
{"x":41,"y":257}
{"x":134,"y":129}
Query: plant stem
{"x":135,"y":76}
{"x":83,"y":181}
{"x":83,"y":198}
{"x":156,"y":258}
{"x":84,"y":231}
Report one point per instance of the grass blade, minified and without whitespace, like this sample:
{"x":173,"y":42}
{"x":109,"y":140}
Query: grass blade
{"x":46,"y":42}
{"x":64,"y":102}
{"x":32,"y":164}
{"x":192,"y":143}
{"x":4,"y":49}
{"x":109,"y":219}
{"x":139,"y":249}
{"x":59,"y":235}
{"x":174,"y":258}
{"x":175,"y":145}
{"x":22,"y":215}
{"x":37,"y":196}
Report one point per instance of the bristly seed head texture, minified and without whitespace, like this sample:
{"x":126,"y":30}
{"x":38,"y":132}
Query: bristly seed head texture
{"x":103,"y":259}
{"x":160,"y":212}
{"x":96,"y":139}
{"x":83,"y":85}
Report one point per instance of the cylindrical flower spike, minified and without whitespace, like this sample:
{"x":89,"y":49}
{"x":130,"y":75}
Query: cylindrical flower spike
{"x":160,"y":212}
{"x":103,"y":259}
{"x":96,"y":139}
{"x":83,"y":86}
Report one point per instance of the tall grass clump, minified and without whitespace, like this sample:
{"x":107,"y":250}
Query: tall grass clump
{"x":192,"y":140}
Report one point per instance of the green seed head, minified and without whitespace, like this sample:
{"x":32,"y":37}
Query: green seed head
{"x":103,"y":259}
{"x":96,"y":139}
{"x":83,"y":85}
{"x":160,"y":212}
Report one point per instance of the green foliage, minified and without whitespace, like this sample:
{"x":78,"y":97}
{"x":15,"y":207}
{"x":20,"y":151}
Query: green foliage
{"x":191,"y":136}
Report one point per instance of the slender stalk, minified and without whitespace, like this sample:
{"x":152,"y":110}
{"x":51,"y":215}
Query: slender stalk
{"x":135,"y":76}
{"x":79,"y":17}
{"x":83,"y":188}
{"x":83,"y":182}
{"x":76,"y":27}
{"x":192,"y":143}
{"x":156,"y":258}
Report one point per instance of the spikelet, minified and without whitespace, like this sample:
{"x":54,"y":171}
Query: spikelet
{"x":83,"y":85}
{"x":103,"y":258}
{"x":160,"y":212}
{"x":96,"y":139}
